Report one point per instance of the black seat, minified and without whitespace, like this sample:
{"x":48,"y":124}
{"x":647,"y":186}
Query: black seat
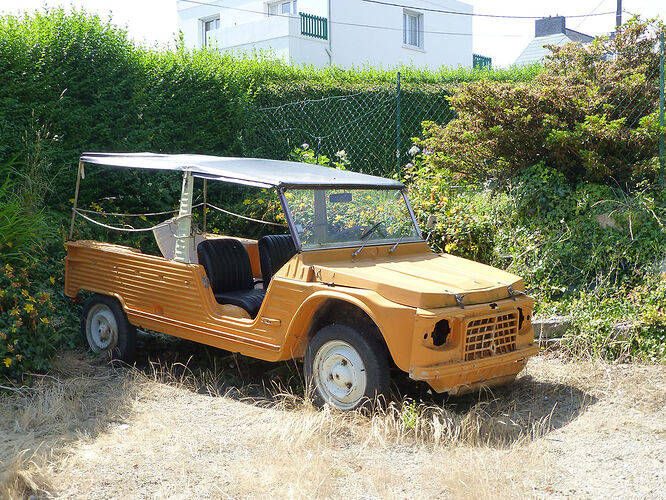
{"x":274,"y":252}
{"x":228,"y":268}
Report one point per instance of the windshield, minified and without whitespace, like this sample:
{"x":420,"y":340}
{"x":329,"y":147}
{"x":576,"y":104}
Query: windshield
{"x":328,"y":218}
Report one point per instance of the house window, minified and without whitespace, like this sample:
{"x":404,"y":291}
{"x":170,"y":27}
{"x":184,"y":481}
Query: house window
{"x":208,"y":26}
{"x":412,"y":29}
{"x":281,"y":8}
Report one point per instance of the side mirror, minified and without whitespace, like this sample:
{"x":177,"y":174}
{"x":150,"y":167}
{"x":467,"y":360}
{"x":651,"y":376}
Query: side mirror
{"x":432,"y":220}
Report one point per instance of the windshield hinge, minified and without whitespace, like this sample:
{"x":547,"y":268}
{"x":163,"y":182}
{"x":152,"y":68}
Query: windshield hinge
{"x":459,"y":300}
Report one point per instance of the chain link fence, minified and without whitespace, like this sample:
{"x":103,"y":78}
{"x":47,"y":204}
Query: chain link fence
{"x":374,"y":127}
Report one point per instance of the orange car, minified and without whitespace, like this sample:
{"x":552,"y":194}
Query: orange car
{"x":353,"y":288}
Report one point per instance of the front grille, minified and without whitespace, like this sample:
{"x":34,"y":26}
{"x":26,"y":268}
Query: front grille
{"x":491,"y":335}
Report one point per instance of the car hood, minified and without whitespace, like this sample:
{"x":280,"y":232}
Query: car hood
{"x":424,"y":279}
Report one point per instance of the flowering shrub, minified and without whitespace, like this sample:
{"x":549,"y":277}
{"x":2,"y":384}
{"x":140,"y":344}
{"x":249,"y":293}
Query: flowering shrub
{"x":467,"y":218}
{"x":27,"y":333}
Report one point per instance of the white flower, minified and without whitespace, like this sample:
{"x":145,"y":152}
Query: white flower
{"x":341,"y":154}
{"x":305,"y":145}
{"x":413,"y":150}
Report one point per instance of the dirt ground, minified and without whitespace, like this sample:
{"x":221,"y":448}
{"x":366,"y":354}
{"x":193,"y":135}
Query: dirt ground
{"x":164,"y":430}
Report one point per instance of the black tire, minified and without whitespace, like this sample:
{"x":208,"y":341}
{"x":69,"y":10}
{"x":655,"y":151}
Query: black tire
{"x":335,"y":353}
{"x":105,"y":328}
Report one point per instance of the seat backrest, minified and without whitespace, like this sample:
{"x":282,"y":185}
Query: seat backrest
{"x":274,"y":252}
{"x":226,"y":263}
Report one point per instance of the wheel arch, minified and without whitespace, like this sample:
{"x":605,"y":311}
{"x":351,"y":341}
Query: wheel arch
{"x":323,"y":308}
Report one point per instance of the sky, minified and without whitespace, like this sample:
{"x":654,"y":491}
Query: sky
{"x":155,"y":22}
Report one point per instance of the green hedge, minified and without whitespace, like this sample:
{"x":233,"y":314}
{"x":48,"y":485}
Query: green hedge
{"x":95,"y":90}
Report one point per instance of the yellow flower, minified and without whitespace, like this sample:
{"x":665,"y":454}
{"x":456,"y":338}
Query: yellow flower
{"x":19,"y":357}
{"x":29,"y":308}
{"x":2,"y":292}
{"x":25,"y":292}
{"x":44,"y":320}
{"x":52,"y":280}
{"x":9,"y":244}
{"x":7,"y":362}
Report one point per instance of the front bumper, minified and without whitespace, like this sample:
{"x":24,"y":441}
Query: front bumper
{"x":458,"y":377}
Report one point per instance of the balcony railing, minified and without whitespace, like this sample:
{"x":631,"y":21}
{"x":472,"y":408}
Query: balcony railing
{"x":481,"y":62}
{"x":314,"y":26}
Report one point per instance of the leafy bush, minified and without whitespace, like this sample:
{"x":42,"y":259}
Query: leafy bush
{"x":560,"y":238}
{"x":587,"y":115}
{"x":467,"y":219}
{"x":622,"y":323}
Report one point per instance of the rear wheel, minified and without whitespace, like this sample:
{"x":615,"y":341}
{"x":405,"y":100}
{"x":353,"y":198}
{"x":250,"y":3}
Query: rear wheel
{"x":105,"y":328}
{"x":346,"y":368}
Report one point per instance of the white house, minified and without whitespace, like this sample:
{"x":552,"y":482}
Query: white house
{"x":549,"y":31}
{"x":343,"y":33}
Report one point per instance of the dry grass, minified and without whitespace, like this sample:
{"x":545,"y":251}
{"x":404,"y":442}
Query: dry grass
{"x":170,"y":430}
{"x":77,"y":401}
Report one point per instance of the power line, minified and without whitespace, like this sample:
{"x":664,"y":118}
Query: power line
{"x":592,"y":12}
{"x":473,"y":14}
{"x":357,"y":25}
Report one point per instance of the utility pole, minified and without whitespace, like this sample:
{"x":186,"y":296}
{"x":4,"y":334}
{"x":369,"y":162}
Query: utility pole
{"x":618,"y":15}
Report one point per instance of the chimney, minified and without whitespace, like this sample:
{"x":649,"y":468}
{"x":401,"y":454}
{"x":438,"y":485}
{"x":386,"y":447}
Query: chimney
{"x":549,"y":26}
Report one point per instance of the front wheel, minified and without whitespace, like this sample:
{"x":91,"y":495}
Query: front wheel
{"x":105,"y":328}
{"x":346,"y":368}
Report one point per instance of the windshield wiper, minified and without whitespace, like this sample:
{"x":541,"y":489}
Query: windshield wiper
{"x":365,"y":235}
{"x":371,"y":230}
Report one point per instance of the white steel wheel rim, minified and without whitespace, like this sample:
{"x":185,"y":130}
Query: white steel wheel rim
{"x":101,"y":328}
{"x":339,"y":374}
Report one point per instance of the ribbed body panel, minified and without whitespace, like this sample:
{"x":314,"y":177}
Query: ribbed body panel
{"x":173,"y":298}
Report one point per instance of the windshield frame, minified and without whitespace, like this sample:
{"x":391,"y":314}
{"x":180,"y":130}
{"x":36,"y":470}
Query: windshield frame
{"x":281,"y":190}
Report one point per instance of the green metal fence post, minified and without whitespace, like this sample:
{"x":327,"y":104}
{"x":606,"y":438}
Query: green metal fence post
{"x":661,"y":108}
{"x":397,"y":116}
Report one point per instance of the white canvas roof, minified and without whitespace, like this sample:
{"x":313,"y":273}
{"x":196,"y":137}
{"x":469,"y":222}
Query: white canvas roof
{"x":249,"y":171}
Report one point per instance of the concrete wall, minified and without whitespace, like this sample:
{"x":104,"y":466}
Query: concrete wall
{"x":353,"y":39}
